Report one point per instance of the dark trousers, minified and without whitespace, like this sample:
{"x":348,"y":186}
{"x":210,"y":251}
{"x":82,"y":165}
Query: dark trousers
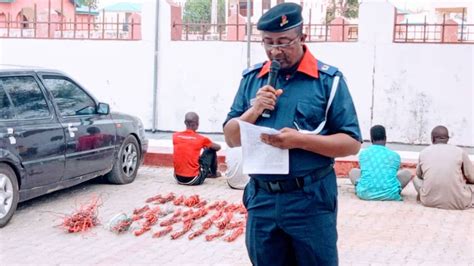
{"x":292,"y":228}
{"x":207,"y":166}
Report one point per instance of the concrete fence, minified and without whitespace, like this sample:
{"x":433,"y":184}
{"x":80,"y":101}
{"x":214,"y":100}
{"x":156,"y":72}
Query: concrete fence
{"x":409,"y":88}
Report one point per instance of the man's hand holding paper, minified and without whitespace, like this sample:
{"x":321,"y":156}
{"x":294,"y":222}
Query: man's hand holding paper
{"x":258,"y":156}
{"x":287,"y":138}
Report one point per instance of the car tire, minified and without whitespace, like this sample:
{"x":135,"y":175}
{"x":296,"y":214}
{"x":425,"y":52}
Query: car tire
{"x":126,"y":165}
{"x":9,"y":195}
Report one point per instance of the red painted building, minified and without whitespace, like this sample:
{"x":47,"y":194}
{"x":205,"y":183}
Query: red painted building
{"x":42,"y":18}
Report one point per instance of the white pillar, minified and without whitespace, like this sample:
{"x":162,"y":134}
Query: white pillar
{"x":376,"y":21}
{"x":257,"y":10}
{"x":314,"y":7}
{"x":226,"y":10}
{"x":214,"y":15}
{"x":469,"y":14}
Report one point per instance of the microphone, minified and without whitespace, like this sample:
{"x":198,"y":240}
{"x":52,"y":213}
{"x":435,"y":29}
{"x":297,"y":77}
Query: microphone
{"x":272,"y":80}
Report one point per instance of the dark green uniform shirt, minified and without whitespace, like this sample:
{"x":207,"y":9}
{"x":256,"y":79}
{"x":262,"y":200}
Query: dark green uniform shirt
{"x":303,"y":104}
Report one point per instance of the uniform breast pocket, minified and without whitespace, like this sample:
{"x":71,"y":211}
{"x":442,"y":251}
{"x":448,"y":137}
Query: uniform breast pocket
{"x":308,"y":116}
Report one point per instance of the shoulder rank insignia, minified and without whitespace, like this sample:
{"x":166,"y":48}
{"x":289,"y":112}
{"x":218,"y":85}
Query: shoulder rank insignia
{"x":253,"y":68}
{"x":327,"y":69}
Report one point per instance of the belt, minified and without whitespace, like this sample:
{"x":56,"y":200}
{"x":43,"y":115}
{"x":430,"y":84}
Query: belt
{"x":294,"y":183}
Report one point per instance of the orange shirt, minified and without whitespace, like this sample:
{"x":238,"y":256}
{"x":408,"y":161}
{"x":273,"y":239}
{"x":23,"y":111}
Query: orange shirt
{"x":187,"y":147}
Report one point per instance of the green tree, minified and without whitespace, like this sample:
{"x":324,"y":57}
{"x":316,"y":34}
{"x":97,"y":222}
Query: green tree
{"x":91,"y":4}
{"x":199,"y":11}
{"x":351,"y":9}
{"x":346,"y":8}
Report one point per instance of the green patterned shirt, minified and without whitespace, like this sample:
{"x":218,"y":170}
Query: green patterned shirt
{"x":378,"y":180}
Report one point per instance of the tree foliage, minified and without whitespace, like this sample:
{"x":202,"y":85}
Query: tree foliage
{"x":344,"y":8}
{"x":92,"y":4}
{"x":199,"y":11}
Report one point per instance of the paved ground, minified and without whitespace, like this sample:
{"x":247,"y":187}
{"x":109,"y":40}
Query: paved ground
{"x":375,"y":233}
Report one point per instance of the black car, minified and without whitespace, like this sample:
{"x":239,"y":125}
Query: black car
{"x":54,"y":134}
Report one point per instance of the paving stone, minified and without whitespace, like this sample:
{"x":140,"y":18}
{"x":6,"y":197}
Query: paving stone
{"x":370,"y":233}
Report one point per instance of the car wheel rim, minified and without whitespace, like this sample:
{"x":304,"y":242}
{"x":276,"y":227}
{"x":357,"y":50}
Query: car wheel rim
{"x":129,"y":159}
{"x":6,"y":195}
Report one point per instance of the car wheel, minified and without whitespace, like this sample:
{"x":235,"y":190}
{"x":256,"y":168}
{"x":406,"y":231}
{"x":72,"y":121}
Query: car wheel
{"x":126,"y":165}
{"x":9,"y":194}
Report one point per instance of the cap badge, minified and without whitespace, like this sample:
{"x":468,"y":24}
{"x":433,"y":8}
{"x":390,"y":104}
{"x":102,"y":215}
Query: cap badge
{"x":284,"y":21}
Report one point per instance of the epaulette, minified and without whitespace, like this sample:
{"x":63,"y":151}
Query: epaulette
{"x":327,"y":69}
{"x":253,"y":68}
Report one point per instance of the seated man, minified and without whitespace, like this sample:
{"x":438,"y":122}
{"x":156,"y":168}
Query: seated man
{"x":377,"y":178}
{"x":442,"y":174}
{"x":190,"y":166}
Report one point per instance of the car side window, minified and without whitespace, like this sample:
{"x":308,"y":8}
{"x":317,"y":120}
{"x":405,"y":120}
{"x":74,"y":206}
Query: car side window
{"x":70,"y":98}
{"x":26,"y":96}
{"x":5,"y":105}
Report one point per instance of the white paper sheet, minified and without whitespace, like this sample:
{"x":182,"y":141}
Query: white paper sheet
{"x":258,"y":157}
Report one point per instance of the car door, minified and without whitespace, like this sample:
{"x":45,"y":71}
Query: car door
{"x":90,"y":136}
{"x":30,"y":130}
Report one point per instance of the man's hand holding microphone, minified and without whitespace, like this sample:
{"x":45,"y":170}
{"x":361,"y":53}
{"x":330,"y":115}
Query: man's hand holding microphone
{"x":265,"y":102}
{"x":267,"y":95}
{"x":262,"y":105}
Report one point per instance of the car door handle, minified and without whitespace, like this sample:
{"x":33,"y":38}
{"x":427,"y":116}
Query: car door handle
{"x":10,"y":135}
{"x":71,"y":129}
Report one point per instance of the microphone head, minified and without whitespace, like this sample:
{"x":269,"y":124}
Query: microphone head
{"x":275,"y":66}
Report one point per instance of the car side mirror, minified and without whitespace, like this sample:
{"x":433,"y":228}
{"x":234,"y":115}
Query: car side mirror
{"x":103,"y":109}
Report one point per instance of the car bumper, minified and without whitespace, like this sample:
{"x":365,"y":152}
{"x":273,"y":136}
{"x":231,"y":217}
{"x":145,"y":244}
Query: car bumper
{"x":144,"y":148}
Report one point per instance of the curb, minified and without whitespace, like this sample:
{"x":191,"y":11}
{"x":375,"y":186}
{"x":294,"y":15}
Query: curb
{"x":164,"y":158}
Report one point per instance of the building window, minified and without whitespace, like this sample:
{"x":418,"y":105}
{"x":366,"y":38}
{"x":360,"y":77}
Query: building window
{"x":353,"y":33}
{"x":243,"y":7}
{"x":266,"y":4}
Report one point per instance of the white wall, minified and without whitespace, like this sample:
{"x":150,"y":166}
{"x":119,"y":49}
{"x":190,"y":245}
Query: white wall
{"x":114,"y":72}
{"x":421,"y":88}
{"x":414,"y":86}
{"x":117,"y":72}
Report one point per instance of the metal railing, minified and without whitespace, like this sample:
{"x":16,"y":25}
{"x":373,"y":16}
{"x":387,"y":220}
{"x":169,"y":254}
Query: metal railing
{"x":447,"y":31}
{"x":338,"y":32}
{"x":80,"y":27}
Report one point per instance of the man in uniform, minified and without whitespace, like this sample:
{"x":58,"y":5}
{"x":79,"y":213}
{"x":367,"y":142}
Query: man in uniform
{"x":292,"y":218}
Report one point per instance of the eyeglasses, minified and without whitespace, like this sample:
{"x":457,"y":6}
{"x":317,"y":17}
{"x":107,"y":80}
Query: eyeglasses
{"x":280,"y":46}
